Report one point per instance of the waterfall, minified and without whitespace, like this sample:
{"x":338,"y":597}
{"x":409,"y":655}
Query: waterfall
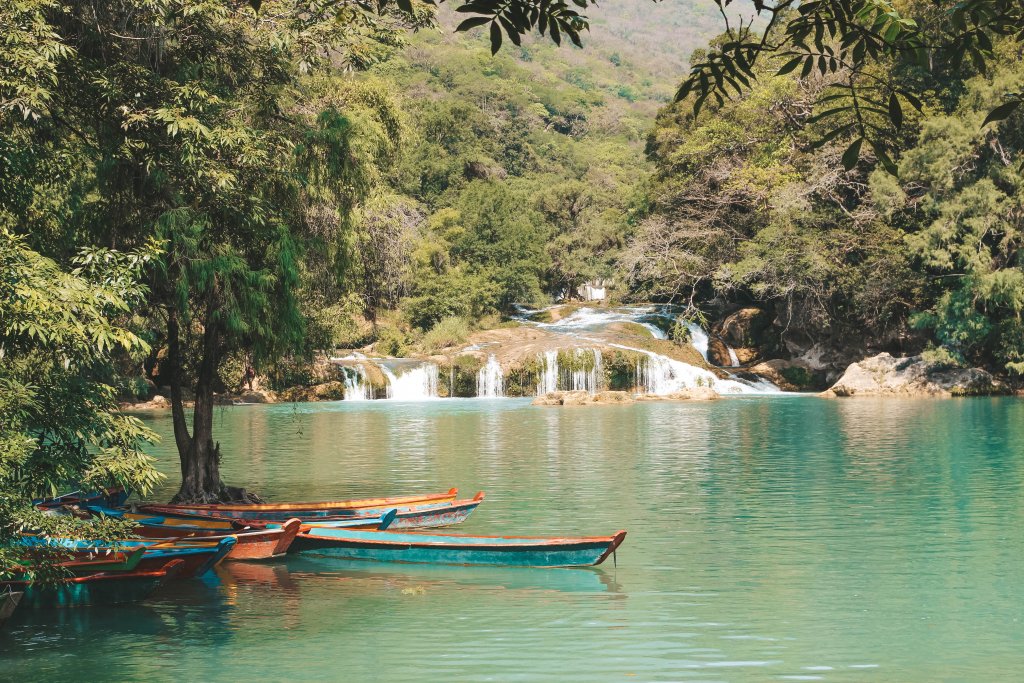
{"x":580,"y":376}
{"x":587,"y":380}
{"x":490,"y":382}
{"x":733,"y":359}
{"x":356,"y":386}
{"x":415,"y":384}
{"x":660,"y":375}
{"x":547,"y":379}
{"x":698,"y":339}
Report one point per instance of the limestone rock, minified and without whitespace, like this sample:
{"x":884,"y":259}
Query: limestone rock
{"x":257,"y":396}
{"x":718,"y":353}
{"x":690,"y":394}
{"x":158,"y":402}
{"x":583,"y":398}
{"x":883,"y":375}
{"x":746,"y":327}
{"x":788,"y":375}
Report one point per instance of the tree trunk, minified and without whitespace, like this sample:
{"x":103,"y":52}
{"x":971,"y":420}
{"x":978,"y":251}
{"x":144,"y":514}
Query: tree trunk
{"x":198,"y":454}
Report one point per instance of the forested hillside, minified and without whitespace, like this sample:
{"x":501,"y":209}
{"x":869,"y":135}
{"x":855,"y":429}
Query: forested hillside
{"x":519,"y":174}
{"x":748,"y":206}
{"x":218,"y":189}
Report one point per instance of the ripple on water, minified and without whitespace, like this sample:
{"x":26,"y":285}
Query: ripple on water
{"x":768,"y":539}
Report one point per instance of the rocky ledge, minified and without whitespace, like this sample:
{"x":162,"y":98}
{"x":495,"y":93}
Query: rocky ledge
{"x":883,"y":375}
{"x":583,"y":398}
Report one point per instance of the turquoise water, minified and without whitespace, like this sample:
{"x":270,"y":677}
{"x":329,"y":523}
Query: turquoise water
{"x":781,"y":538}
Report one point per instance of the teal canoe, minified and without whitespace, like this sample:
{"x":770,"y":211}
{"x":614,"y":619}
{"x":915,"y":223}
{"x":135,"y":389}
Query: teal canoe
{"x":520,"y":551}
{"x":114,"y":588}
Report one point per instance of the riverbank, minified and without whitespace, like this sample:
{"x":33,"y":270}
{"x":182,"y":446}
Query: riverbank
{"x":576,"y":351}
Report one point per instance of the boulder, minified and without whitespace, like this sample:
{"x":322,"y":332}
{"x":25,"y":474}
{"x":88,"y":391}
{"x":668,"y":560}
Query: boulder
{"x":788,"y":375}
{"x":883,"y":375}
{"x":718,"y":353}
{"x":158,"y":402}
{"x":583,"y":398}
{"x":747,"y":327}
{"x":690,"y":394}
{"x":256,"y":396}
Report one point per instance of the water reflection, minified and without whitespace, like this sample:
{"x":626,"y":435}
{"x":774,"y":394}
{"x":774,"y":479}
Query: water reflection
{"x":768,"y":539}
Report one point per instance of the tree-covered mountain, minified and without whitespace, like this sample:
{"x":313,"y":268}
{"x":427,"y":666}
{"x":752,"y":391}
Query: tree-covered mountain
{"x":520,"y":173}
{"x":751,"y":203}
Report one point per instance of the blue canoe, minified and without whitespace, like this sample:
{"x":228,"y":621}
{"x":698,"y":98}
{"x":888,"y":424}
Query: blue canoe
{"x":520,"y":551}
{"x":198,"y":557}
{"x":104,"y":588}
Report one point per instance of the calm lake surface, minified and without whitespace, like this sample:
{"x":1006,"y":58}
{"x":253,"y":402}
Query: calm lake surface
{"x":770,"y":538}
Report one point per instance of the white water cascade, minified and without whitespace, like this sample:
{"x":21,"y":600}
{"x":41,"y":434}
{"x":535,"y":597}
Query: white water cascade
{"x":661,"y":376}
{"x":357,"y":388}
{"x":733,"y":358}
{"x":490,"y":380}
{"x":547,"y":380}
{"x":587,"y":380}
{"x":699,"y":339}
{"x":415,"y":384}
{"x":579,"y":378}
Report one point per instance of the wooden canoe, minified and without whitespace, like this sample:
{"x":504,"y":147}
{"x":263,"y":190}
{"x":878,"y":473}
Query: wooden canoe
{"x":109,"y":588}
{"x":416,"y":517}
{"x":521,"y":551}
{"x":260,"y":544}
{"x":198,"y":556}
{"x":168,"y":526}
{"x":93,"y":560}
{"x":8,"y":601}
{"x":279,"y":512}
{"x":113,"y":497}
{"x":116,"y":561}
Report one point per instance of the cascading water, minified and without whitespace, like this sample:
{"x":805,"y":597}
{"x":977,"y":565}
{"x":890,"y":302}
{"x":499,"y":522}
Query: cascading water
{"x":490,"y":381}
{"x":660,"y":375}
{"x":547,"y":379}
{"x":699,"y":339}
{"x":357,"y":388}
{"x":587,"y":379}
{"x":733,"y":358}
{"x":415,"y":384}
{"x":585,"y":372}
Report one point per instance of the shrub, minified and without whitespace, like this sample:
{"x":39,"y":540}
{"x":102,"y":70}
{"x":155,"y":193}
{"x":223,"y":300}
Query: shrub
{"x":446,"y":333}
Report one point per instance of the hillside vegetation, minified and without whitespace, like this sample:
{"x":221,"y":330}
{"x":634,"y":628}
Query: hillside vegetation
{"x":519,"y":175}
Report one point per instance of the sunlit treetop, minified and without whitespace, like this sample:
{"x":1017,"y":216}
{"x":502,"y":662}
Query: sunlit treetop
{"x":853,"y":42}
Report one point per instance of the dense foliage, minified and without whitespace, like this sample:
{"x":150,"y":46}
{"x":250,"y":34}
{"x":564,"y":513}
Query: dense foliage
{"x":59,"y":419}
{"x":749,"y":206}
{"x":251,"y":181}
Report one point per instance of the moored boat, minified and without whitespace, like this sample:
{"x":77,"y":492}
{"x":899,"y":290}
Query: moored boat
{"x":108,"y":588}
{"x":92,"y":560}
{"x":523,"y":551}
{"x":8,"y":601}
{"x":198,"y":555}
{"x":260,"y":544}
{"x":113,"y":497}
{"x":279,"y":512}
{"x":169,"y":526}
{"x":416,"y":517}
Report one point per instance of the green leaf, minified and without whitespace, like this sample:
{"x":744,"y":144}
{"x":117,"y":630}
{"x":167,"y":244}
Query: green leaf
{"x":1002,"y":111}
{"x":895,"y":111}
{"x":495,"y":37}
{"x":852,"y":154}
{"x":829,"y":137}
{"x":472,"y":22}
{"x":789,"y":66}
